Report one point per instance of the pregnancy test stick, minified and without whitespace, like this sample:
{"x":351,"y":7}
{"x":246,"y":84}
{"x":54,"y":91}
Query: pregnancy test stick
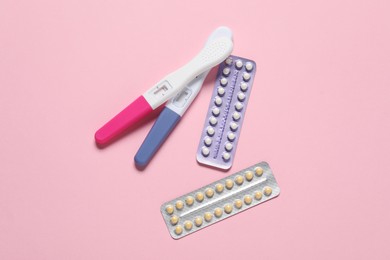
{"x":175,"y":109}
{"x":211,"y":55}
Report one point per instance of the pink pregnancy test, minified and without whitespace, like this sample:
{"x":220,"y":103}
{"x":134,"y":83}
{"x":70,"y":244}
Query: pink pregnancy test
{"x":211,"y":55}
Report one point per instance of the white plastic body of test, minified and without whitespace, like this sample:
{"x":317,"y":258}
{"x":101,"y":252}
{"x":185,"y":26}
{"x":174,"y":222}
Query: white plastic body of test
{"x":182,"y":101}
{"x":211,"y":55}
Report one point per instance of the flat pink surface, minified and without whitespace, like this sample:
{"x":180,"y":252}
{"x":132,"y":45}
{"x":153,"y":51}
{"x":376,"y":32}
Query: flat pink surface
{"x":319,"y":114}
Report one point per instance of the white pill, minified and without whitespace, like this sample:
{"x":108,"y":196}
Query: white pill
{"x":231,"y":136}
{"x":226,"y":156}
{"x":228,"y":146}
{"x":215,"y":111}
{"x":208,"y":141}
{"x":205,"y":151}
{"x":224,"y":81}
{"x":236,"y":116}
{"x":213,"y":121}
{"x":238,"y":64}
{"x":229,"y":61}
{"x":244,"y":86}
{"x":210,"y":131}
{"x":233,"y":126}
{"x":218,"y":101}
{"x":226,"y":71}
{"x":246,"y":76}
{"x":249,"y":66}
{"x":221,"y":91}
{"x":238,"y":106}
{"x":241,"y":96}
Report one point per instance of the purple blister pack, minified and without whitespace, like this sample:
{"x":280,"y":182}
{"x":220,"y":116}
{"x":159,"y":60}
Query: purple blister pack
{"x":225,"y":116}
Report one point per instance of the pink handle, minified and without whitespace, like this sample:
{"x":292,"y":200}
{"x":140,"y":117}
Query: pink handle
{"x":122,"y":121}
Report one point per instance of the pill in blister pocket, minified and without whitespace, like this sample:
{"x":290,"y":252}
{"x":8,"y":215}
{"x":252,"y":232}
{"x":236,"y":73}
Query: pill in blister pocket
{"x":213,"y":121}
{"x":246,"y":76}
{"x":218,"y":101}
{"x":248,"y":66}
{"x":226,"y":71}
{"x":238,"y":64}
{"x":238,"y":106}
{"x":226,"y":112}
{"x":205,"y":151}
{"x":224,"y":81}
{"x":224,"y":199}
{"x":215,"y":111}
{"x":207,"y":141}
{"x":221,"y":91}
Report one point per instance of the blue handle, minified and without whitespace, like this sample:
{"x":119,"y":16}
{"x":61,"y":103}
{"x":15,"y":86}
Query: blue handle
{"x":160,"y":131}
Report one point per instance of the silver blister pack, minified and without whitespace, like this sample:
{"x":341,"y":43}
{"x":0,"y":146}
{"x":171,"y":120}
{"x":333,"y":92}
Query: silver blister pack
{"x":219,"y":200}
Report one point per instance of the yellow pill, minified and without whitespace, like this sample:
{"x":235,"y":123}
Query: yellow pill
{"x":247,"y":199}
{"x":267,"y":191}
{"x":239,"y":180}
{"x":219,"y":187}
{"x":188,"y":225}
{"x":189,"y":200}
{"x":238,"y":204}
{"x":199,"y":196}
{"x":208,"y":216}
{"x":249,"y":175}
{"x":169,"y":209}
{"x":258,"y":195}
{"x":228,"y":208}
{"x":218,"y":212}
{"x":174,"y":219}
{"x":178,"y":230}
{"x":179,"y":204}
{"x":229,"y":184}
{"x":259,"y":171}
{"x":209,"y":192}
{"x":198,"y":221}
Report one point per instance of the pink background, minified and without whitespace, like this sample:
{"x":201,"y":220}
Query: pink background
{"x":319,"y":114}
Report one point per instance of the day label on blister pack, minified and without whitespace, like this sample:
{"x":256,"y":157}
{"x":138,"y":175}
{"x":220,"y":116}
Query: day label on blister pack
{"x":225,"y":116}
{"x":219,"y":200}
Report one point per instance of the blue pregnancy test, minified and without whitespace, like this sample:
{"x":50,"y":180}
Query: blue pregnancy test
{"x":174,"y":110}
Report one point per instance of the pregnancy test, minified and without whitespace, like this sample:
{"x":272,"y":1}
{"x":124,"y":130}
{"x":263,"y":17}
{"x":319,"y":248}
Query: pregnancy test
{"x":175,"y":109}
{"x":211,"y":55}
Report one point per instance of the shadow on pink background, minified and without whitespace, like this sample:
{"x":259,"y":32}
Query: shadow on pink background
{"x":319,"y":114}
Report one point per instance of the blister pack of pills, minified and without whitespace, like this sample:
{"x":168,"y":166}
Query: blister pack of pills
{"x":226,"y":112}
{"x":219,"y":200}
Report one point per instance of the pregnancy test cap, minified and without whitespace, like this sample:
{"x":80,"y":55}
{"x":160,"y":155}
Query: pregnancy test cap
{"x":211,"y":55}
